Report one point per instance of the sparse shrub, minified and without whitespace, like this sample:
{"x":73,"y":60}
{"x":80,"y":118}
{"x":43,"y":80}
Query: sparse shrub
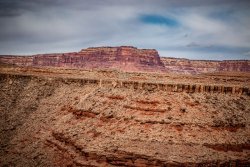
{"x":126,"y":119}
{"x":183,"y":109}
{"x":170,"y":117}
{"x":132,"y":117}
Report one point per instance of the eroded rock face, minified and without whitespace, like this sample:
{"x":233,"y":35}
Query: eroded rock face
{"x":126,"y":58}
{"x":16,"y":60}
{"x":230,"y":65}
{"x":204,"y":66}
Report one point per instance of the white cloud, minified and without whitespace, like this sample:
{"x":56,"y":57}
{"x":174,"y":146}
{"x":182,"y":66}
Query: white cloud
{"x":247,"y":54}
{"x":70,"y":26}
{"x":202,"y":24}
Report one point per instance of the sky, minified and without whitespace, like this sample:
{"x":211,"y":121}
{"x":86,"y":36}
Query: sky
{"x":193,"y":29}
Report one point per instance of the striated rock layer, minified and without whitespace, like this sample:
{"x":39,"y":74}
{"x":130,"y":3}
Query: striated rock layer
{"x":126,"y":58}
{"x":47,"y":119}
{"x":204,"y":66}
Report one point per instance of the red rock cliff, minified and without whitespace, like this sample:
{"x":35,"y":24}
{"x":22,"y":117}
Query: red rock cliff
{"x":179,"y":65}
{"x":126,"y":58}
{"x":16,"y":60}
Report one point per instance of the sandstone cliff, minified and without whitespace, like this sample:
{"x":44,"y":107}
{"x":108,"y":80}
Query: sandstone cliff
{"x":126,"y":58}
{"x":16,"y":60}
{"x":187,"y":66}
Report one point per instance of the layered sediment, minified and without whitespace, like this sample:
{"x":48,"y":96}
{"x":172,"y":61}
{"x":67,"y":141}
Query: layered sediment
{"x":126,"y":58}
{"x":107,"y":118}
{"x":186,"y":66}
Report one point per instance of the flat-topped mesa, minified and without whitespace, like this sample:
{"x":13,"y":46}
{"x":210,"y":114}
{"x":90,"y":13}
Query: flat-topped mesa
{"x":126,"y":52}
{"x":125,"y":58}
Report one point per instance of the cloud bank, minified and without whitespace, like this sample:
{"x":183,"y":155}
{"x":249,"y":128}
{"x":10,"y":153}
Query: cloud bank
{"x":215,"y":29}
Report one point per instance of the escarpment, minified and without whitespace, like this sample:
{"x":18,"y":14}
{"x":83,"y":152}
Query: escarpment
{"x":186,"y":66}
{"x":126,"y":58}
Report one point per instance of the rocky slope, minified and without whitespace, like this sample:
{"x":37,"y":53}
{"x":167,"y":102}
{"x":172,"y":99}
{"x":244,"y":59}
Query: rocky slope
{"x":126,"y":58}
{"x":58,"y":118}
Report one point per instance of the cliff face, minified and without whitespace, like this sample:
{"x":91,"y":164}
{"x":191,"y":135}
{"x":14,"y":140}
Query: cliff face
{"x":231,"y":65}
{"x":17,"y":60}
{"x":204,"y":66}
{"x":126,"y":58}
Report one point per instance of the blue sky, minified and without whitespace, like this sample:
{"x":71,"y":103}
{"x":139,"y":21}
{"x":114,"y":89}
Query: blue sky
{"x":194,"y":29}
{"x":158,"y":20}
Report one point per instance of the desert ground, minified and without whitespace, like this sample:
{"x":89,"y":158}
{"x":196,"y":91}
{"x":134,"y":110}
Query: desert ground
{"x":72,"y":117}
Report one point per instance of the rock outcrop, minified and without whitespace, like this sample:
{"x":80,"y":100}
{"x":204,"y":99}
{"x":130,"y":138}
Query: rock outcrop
{"x":126,"y":58}
{"x":16,"y":60}
{"x":187,"y":66}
